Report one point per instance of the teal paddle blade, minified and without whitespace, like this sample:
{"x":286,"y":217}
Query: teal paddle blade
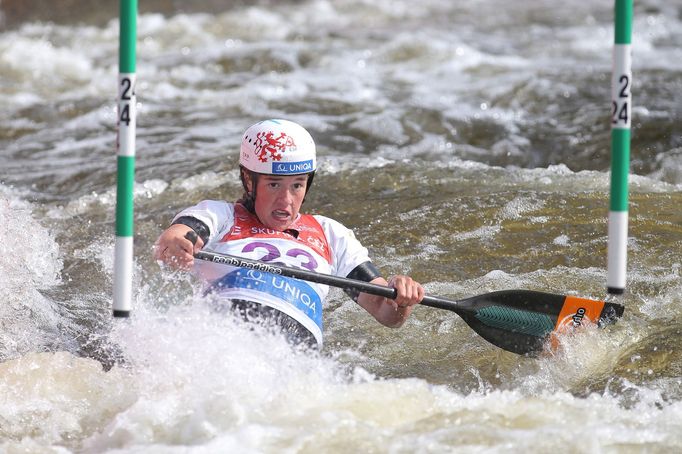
{"x":514,"y":320}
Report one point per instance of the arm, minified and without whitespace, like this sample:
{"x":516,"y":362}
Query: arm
{"x":351,"y":259}
{"x":393,"y":313}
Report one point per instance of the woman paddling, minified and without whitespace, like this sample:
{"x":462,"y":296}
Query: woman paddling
{"x":277,"y":164}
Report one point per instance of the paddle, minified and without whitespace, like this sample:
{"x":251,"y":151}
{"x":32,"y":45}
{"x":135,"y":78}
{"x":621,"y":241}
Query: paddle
{"x":519,"y":321}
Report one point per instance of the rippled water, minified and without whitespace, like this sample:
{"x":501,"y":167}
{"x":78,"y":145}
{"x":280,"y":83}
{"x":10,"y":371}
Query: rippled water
{"x":466,"y":143}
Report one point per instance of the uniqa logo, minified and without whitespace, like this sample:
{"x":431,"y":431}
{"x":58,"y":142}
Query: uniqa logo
{"x":291,"y":167}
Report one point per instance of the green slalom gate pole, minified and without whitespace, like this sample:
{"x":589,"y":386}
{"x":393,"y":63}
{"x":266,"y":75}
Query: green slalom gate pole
{"x":621,"y":113}
{"x":123,"y":254}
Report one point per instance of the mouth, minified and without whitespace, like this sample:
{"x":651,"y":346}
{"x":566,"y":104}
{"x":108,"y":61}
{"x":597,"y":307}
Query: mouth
{"x":281,"y":215}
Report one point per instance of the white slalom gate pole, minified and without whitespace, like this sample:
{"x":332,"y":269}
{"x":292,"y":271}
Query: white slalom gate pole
{"x":123,"y":254}
{"x":621,"y":114}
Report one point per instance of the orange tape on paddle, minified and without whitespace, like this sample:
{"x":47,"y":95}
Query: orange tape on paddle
{"x":576,"y":312}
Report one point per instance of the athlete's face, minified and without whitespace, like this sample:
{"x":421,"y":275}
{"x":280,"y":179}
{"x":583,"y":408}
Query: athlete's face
{"x":279,"y":199}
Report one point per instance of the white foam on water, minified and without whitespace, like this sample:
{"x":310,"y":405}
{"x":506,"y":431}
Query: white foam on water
{"x":30,"y":263}
{"x":195,"y":383}
{"x":670,"y":167}
{"x":562,"y":240}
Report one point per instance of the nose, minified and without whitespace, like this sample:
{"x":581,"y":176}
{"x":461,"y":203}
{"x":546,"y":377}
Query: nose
{"x":285,"y":194}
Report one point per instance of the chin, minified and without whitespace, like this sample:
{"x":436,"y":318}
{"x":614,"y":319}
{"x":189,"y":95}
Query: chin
{"x":279,"y":225}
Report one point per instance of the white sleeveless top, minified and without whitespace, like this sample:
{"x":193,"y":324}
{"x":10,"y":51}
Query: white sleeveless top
{"x":321,"y":245}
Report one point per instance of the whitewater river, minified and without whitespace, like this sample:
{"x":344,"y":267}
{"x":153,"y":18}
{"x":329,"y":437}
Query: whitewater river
{"x":466,"y":143}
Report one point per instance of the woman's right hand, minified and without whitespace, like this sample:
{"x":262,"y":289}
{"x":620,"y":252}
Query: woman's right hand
{"x":174,"y":249}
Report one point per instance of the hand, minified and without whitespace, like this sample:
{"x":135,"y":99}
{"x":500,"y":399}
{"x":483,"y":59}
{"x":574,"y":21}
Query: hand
{"x":409,"y":291}
{"x":176,"y":251}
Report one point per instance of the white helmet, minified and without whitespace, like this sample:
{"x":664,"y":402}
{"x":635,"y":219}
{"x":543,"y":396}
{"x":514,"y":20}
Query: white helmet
{"x":278,"y":147}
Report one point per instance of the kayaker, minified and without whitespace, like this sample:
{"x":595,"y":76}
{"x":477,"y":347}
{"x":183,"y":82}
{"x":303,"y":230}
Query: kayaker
{"x":277,"y":165}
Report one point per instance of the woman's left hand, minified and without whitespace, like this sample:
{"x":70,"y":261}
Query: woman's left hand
{"x":410,"y":292}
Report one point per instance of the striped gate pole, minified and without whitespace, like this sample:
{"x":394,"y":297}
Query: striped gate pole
{"x":125,"y":143}
{"x":621,"y":112}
